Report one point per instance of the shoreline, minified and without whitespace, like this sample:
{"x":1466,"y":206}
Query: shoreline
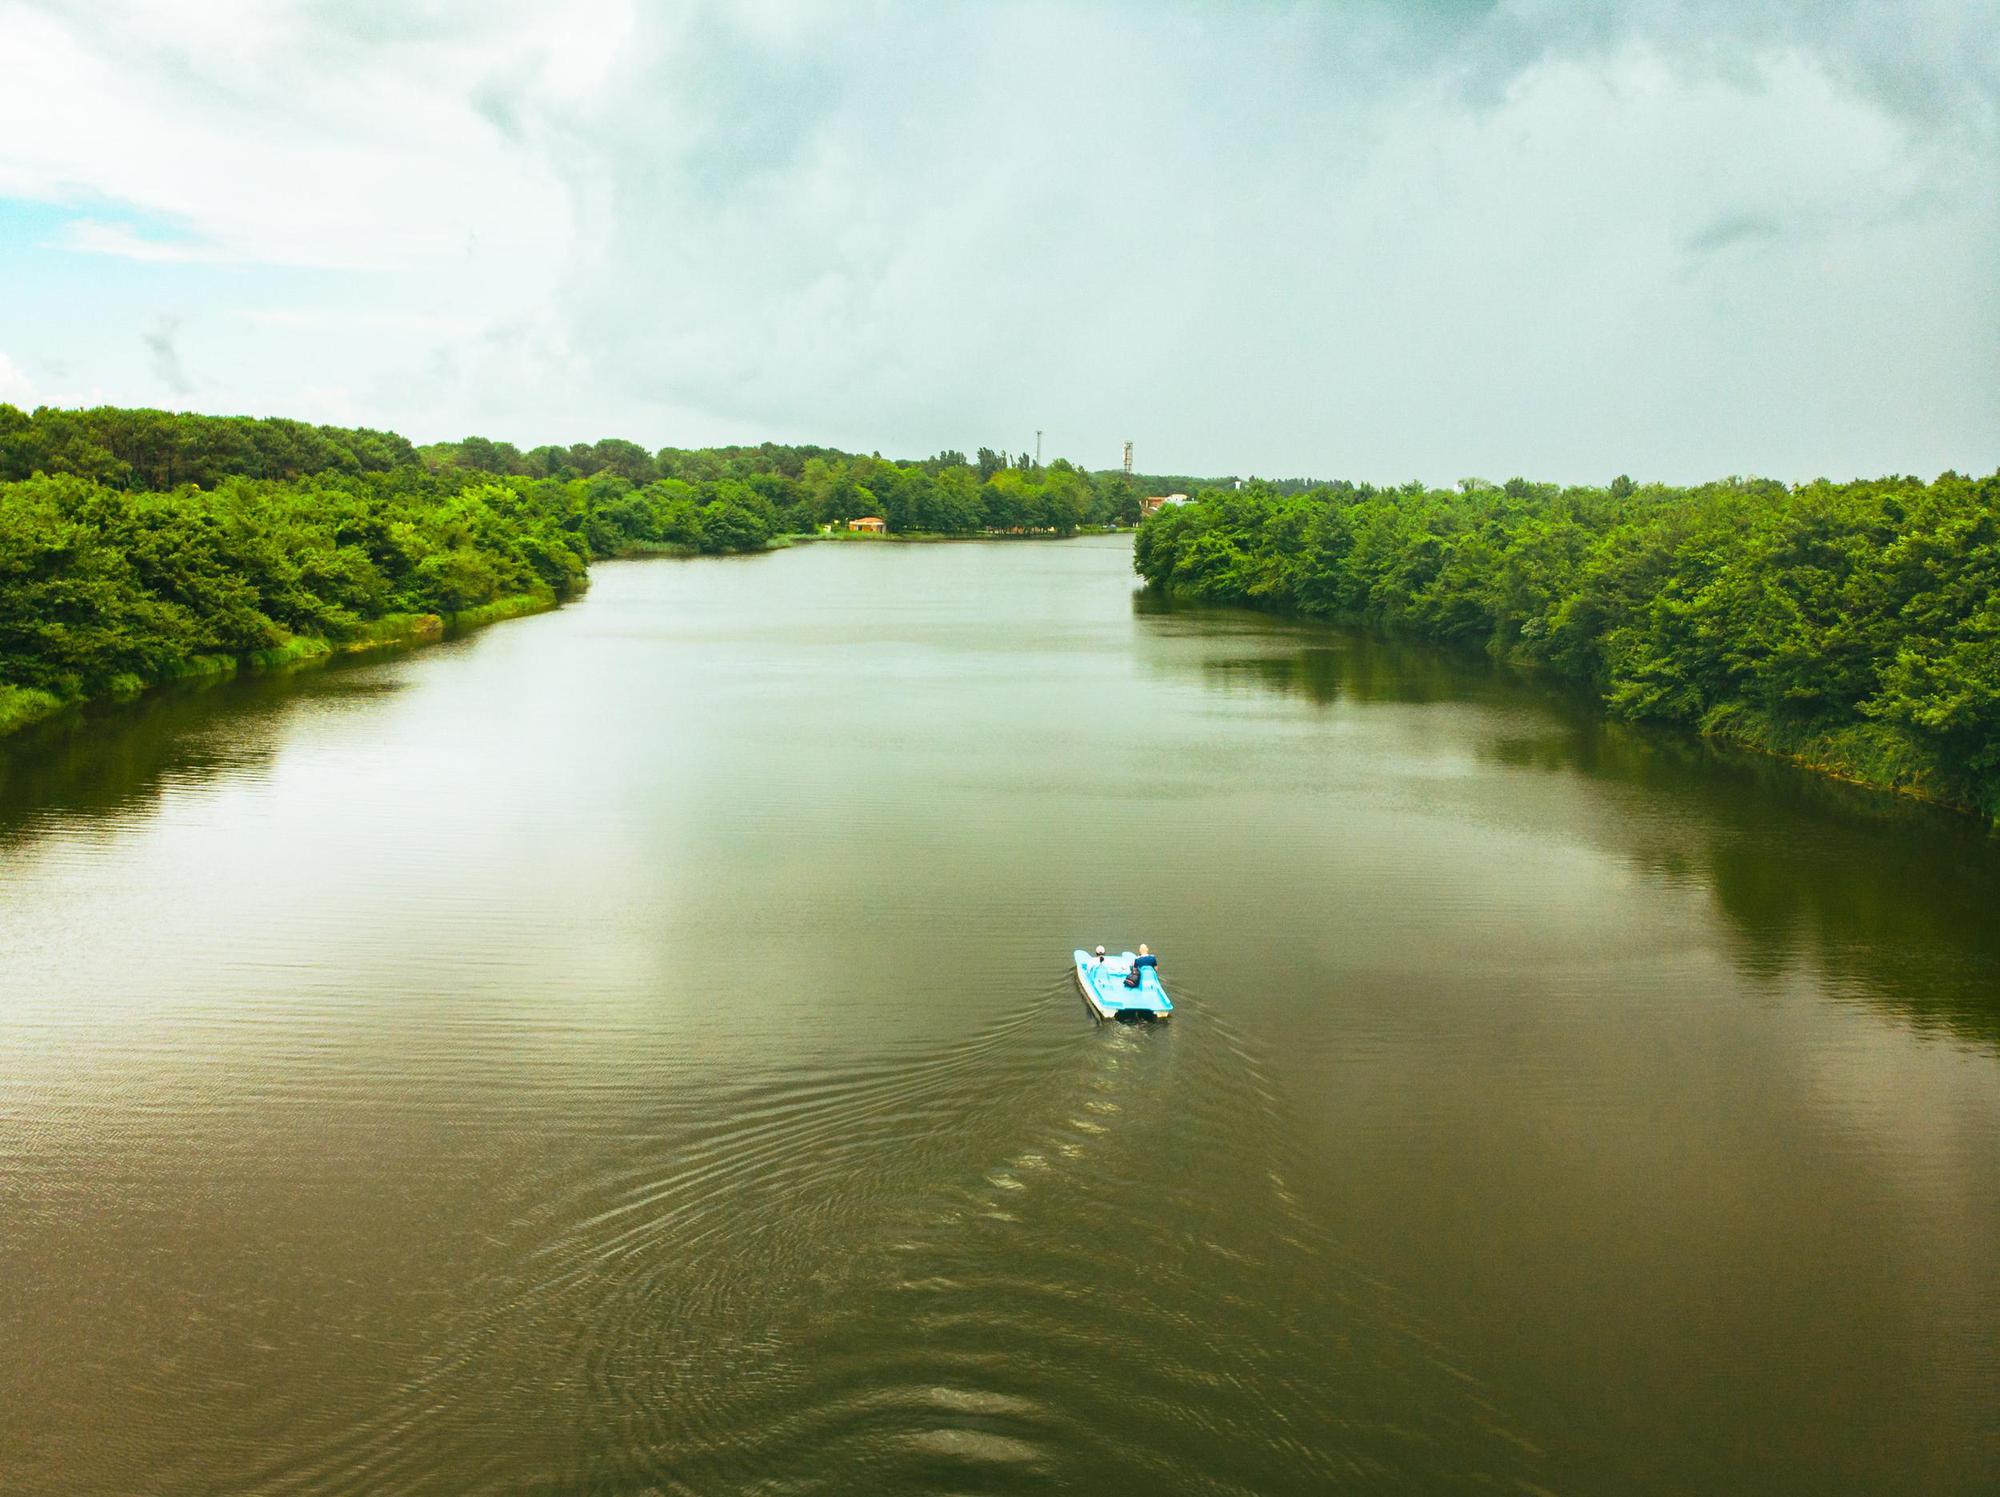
{"x":1817,"y":751}
{"x":24,"y":707}
{"x":941,"y":537}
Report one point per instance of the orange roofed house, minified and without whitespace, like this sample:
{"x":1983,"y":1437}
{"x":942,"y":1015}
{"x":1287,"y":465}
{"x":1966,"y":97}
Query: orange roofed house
{"x":869,"y":522}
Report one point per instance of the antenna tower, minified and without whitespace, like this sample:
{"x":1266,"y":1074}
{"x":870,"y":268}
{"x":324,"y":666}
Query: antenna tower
{"x":1128,"y":459}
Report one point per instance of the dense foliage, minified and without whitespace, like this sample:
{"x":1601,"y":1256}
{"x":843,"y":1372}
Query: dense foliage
{"x":141,"y":449}
{"x":104,"y":590}
{"x":137,"y":546}
{"x":802,"y":487}
{"x":811,"y":487}
{"x":1855,"y":625}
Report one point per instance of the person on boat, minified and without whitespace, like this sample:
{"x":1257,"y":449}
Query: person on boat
{"x":1098,"y":960}
{"x":1140,"y":962}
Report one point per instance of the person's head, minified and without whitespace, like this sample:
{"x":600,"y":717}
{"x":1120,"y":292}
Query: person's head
{"x":1100,"y":951}
{"x":1142,"y":949}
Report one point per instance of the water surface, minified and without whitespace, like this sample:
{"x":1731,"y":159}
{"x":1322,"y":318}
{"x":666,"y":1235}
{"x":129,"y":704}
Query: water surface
{"x":631,"y":1050}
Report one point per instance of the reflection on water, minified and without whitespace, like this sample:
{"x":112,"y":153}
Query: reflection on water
{"x":632,"y":1049}
{"x":1890,"y":902}
{"x":115,"y":759}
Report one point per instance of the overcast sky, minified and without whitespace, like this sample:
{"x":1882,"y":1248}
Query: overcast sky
{"x":1561,"y":238}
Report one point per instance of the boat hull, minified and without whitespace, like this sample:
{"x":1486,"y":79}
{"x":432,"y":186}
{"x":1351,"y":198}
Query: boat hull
{"x":1102,"y":984}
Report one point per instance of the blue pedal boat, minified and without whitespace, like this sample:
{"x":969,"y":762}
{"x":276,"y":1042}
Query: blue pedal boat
{"x":1103,"y":985}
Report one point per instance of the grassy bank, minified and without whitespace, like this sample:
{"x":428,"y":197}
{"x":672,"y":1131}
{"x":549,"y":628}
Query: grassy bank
{"x":1853,"y":628}
{"x":1877,"y":755}
{"x":22,"y":706}
{"x":520,"y":605}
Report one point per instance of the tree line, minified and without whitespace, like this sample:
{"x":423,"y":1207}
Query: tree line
{"x":1855,"y":626}
{"x":810,"y":487}
{"x":806,"y":486}
{"x":146,"y":449}
{"x":139,"y":546}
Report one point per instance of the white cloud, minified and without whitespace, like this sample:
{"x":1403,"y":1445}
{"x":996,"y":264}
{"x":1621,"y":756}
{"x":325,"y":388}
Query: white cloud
{"x":273,"y":139}
{"x":320,"y":318}
{"x":1377,"y":239}
{"x":15,"y":387}
{"x":1240,"y":238}
{"x":89,"y":237}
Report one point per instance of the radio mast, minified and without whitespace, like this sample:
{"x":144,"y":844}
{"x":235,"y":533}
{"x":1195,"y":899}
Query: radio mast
{"x":1128,"y":459}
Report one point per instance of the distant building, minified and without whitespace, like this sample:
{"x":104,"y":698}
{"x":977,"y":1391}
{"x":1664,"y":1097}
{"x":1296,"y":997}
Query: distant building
{"x":1154,"y":505}
{"x":870,"y":522}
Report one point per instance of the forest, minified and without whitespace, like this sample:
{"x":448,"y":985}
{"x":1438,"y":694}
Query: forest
{"x":1852,"y":626}
{"x":141,"y":546}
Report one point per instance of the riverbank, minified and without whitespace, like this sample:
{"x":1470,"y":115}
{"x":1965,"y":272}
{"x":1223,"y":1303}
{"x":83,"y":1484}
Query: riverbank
{"x":105,"y":592}
{"x":933,"y":537}
{"x":138,"y":547}
{"x":1864,"y":754}
{"x":1848,"y":628}
{"x":22,"y":707}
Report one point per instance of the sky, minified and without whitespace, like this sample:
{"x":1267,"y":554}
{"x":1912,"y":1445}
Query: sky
{"x":1423,"y":239}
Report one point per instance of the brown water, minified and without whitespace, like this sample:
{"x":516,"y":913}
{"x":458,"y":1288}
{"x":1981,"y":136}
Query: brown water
{"x":632,"y":1050}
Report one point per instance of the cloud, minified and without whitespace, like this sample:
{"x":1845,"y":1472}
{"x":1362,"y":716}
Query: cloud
{"x":279,"y":137}
{"x":90,"y":237}
{"x":1928,"y":60}
{"x":166,"y":358}
{"x":320,"y":318}
{"x":15,"y":387}
{"x":1271,"y":239}
{"x":1376,"y":238}
{"x":1732,"y":229}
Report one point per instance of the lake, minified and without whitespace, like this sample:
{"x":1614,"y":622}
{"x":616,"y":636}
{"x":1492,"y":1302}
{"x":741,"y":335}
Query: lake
{"x":633,"y":1050}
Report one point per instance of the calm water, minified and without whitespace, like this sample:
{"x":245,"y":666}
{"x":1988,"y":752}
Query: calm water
{"x":632,"y":1050}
